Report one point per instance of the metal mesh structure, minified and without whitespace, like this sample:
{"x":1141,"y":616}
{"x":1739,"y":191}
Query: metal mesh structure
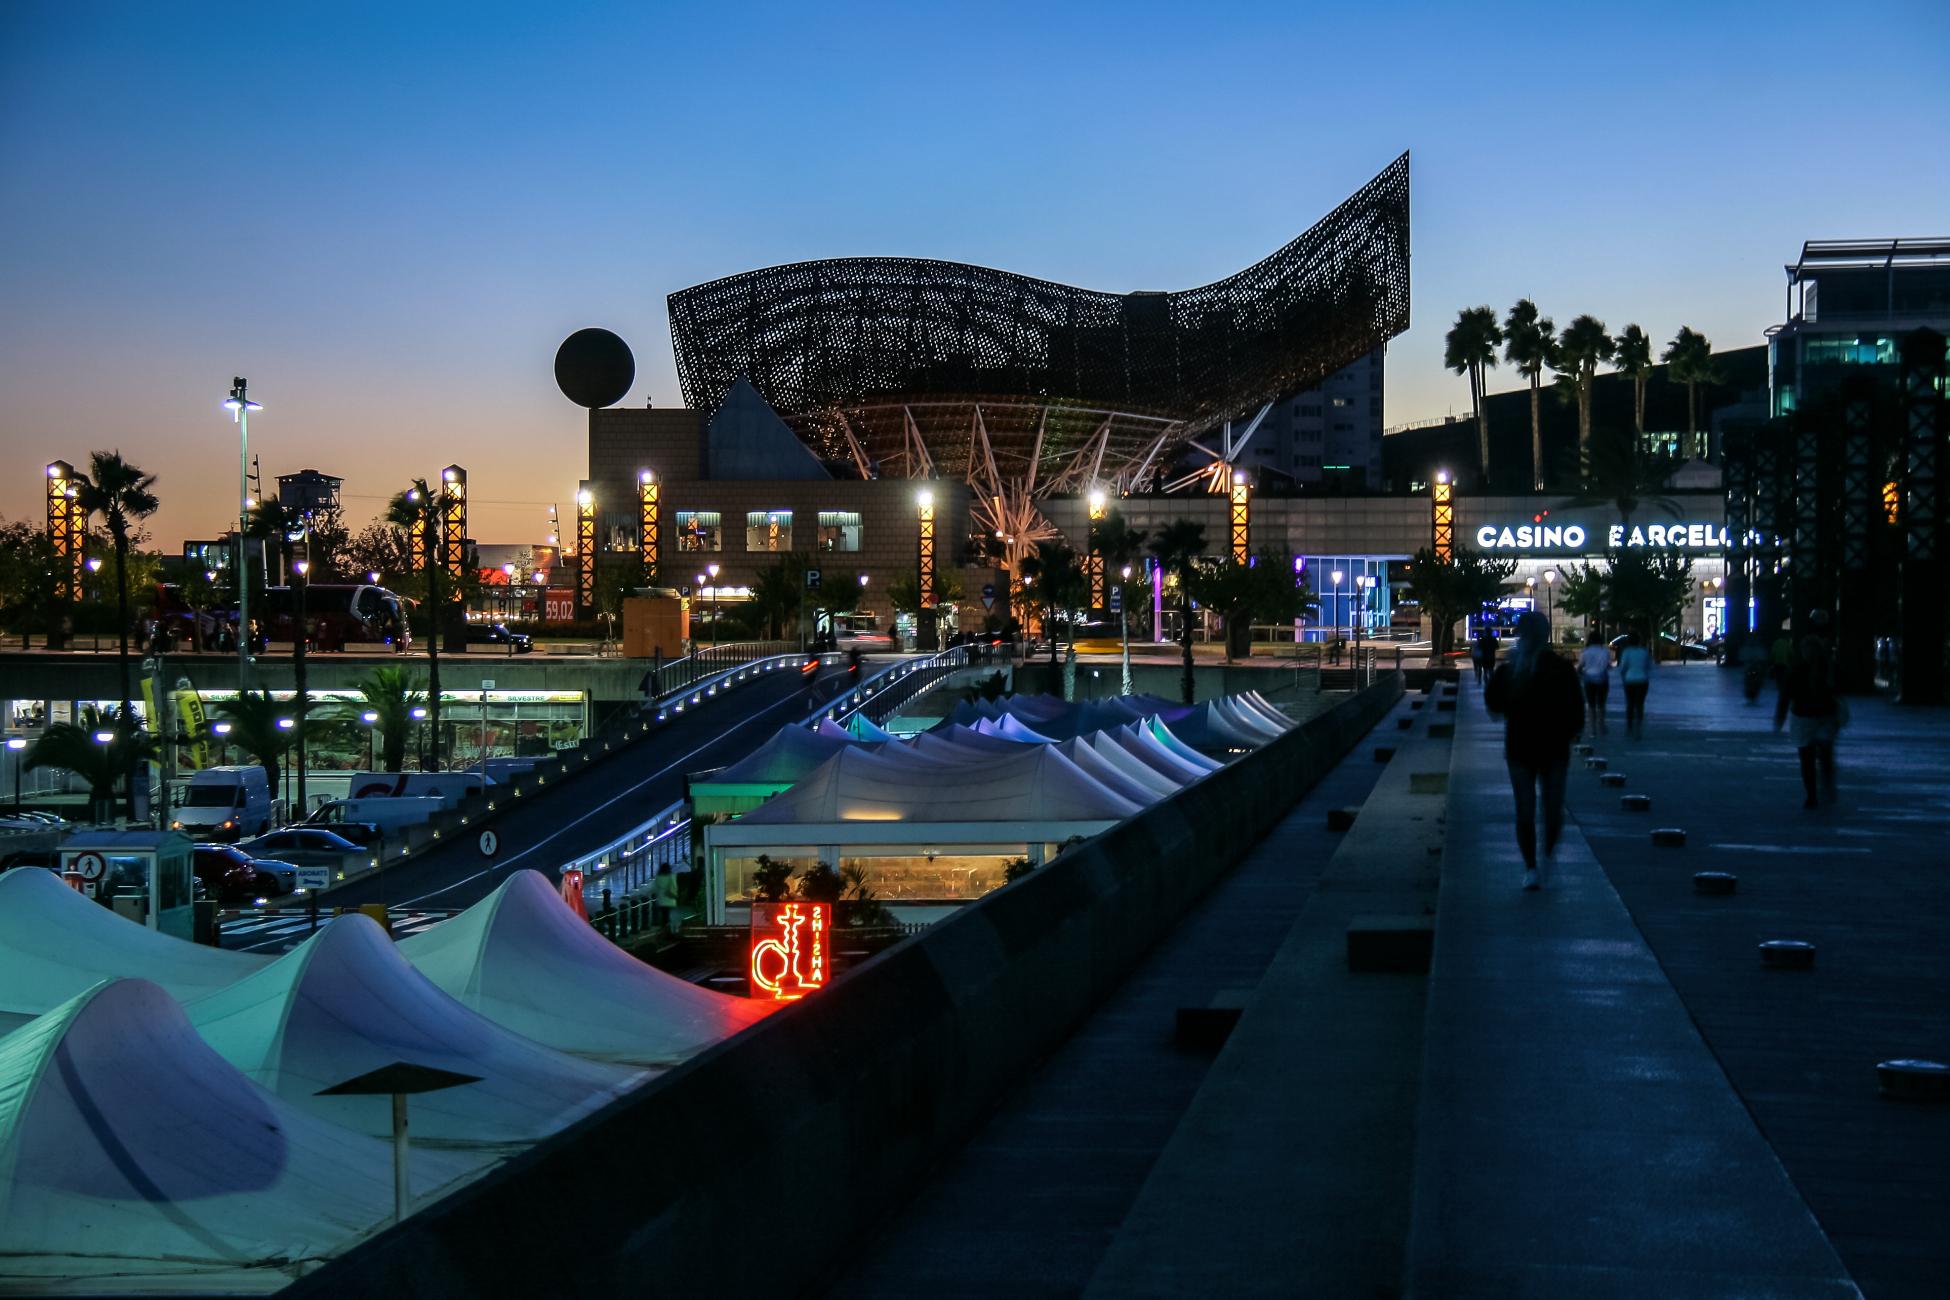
{"x":878,"y":360}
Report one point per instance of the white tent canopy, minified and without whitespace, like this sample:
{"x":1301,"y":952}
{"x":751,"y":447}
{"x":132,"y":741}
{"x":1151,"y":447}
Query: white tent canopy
{"x":529,"y":964}
{"x":1036,"y":784}
{"x":133,"y":1157}
{"x":346,"y":1001}
{"x":55,"y":944}
{"x":1142,"y":787}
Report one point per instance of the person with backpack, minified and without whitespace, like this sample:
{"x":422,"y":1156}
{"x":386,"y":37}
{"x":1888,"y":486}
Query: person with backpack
{"x":1537,"y":694}
{"x":1808,"y":696}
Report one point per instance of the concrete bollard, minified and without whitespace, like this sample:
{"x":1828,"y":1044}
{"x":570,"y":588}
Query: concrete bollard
{"x":1382,"y":753}
{"x":1390,"y":943}
{"x":1669,"y":837}
{"x":1611,"y":778}
{"x":1403,"y":724}
{"x":1717,"y":883}
{"x":1596,"y":763}
{"x":1446,"y":706}
{"x":1787,"y":954}
{"x":1582,"y":751}
{"x":1342,"y":819}
{"x":1914,"y":1080}
{"x":1635,"y":802}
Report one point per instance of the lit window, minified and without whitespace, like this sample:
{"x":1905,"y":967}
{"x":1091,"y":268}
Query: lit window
{"x":768,"y":530}
{"x":699,"y":530}
{"x":839,"y":530}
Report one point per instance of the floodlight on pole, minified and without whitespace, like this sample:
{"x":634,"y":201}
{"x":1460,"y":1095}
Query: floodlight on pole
{"x":1099,"y":507}
{"x":1443,"y":517}
{"x":649,"y":511}
{"x":586,"y":549}
{"x":924,"y":568}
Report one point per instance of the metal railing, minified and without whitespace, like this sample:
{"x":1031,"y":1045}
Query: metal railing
{"x":705,"y":661}
{"x":892,"y":689}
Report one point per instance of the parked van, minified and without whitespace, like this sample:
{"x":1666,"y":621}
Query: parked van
{"x":225,"y":804}
{"x":390,"y":815}
{"x":448,"y":787}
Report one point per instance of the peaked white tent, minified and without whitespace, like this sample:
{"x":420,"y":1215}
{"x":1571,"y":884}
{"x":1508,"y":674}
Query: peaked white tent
{"x":133,"y":1157}
{"x":523,"y":960}
{"x":1010,"y":727}
{"x":1230,"y":713}
{"x":1137,"y":741}
{"x":346,"y":1001}
{"x":864,"y":728}
{"x":1168,"y":737}
{"x":1142,"y":788}
{"x":787,"y":757}
{"x":55,"y":944}
{"x":1107,"y":747}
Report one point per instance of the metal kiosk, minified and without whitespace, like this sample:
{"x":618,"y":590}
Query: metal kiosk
{"x":147,"y":876}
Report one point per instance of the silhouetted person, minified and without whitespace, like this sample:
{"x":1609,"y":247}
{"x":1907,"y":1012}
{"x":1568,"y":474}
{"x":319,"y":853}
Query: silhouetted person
{"x":1808,"y":696}
{"x":1594,"y":672}
{"x":1635,"y":675}
{"x":1537,"y":694}
{"x":1483,"y":653}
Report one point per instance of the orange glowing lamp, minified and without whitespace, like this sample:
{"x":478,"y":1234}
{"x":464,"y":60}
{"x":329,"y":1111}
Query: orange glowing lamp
{"x":789,"y":949}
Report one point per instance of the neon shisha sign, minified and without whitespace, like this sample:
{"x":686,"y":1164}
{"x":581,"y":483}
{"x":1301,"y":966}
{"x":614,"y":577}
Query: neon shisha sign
{"x":790,"y":948}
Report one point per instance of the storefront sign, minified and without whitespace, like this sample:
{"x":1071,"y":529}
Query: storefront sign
{"x":1574,"y":539}
{"x":789,"y":949}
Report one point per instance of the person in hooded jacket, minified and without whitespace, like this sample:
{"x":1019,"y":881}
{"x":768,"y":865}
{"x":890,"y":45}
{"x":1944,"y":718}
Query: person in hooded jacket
{"x":1542,"y":705}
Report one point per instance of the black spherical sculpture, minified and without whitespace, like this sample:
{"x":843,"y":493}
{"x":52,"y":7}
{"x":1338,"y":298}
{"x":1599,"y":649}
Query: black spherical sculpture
{"x":594,"y":368}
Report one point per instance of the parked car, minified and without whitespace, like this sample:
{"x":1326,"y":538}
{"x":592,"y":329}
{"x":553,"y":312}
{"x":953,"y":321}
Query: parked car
{"x":493,"y":634}
{"x":386,"y":814}
{"x":225,"y":803}
{"x":231,"y":875}
{"x":1670,"y":647}
{"x":365,"y":835}
{"x":306,"y":846}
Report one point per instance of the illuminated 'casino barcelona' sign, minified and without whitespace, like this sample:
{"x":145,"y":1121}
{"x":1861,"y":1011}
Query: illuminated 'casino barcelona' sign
{"x":1575,"y":539}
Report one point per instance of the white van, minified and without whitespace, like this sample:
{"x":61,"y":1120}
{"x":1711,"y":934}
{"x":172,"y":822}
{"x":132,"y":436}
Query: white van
{"x":225,"y":804}
{"x":388,"y":814}
{"x":448,"y":787}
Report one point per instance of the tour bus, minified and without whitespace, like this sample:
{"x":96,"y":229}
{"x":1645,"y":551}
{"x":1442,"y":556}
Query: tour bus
{"x":340,"y":613}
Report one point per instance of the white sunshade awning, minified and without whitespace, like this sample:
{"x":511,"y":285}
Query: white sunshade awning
{"x":1142,"y":786}
{"x":346,"y":1002}
{"x":56,"y":944}
{"x":786,"y":757}
{"x":1035,"y":784}
{"x":523,"y":960}
{"x":134,"y":1158}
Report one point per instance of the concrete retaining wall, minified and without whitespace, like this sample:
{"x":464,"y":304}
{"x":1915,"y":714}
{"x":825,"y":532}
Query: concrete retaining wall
{"x":750,"y":1168}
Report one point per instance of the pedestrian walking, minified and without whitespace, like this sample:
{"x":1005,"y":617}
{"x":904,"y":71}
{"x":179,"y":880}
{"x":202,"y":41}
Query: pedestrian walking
{"x":1536,"y":693}
{"x":1483,"y":652}
{"x":1594,"y":671}
{"x":1635,"y":675}
{"x":1818,"y":714}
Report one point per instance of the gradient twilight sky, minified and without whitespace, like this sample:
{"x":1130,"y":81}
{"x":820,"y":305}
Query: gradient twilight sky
{"x":388,"y":215}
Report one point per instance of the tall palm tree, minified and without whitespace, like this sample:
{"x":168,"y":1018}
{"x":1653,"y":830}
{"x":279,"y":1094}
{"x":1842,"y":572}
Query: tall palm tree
{"x":419,"y":507}
{"x":1580,"y":348}
{"x":1177,"y":548}
{"x":1118,"y":546}
{"x":1529,"y":337}
{"x":73,"y":747}
{"x":121,"y":494}
{"x":1690,"y":354}
{"x":272,"y":521}
{"x":254,"y":719}
{"x":1632,"y":357}
{"x":390,"y":694}
{"x":1470,"y":349}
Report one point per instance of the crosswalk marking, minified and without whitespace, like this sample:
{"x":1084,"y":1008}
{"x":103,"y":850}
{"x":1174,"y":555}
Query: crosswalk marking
{"x":289,"y":927}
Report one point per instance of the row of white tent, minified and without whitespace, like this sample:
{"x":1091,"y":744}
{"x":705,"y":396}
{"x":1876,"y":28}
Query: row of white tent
{"x":160,"y":1122}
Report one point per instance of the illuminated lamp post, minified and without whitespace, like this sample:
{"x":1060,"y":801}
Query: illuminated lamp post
{"x":924,"y":638}
{"x":221,"y":730}
{"x":1337,"y":575}
{"x":300,"y":642}
{"x":1361,"y":584}
{"x":1242,"y":513}
{"x":286,"y":724}
{"x":711,"y":570}
{"x":95,"y":574}
{"x":420,"y":716}
{"x":1098,"y":508}
{"x":371,"y":719}
{"x":240,"y":407}
{"x":64,"y":530}
{"x":1124,"y":628}
{"x":648,"y":510}
{"x":1443,"y":517}
{"x":1550,"y":594}
{"x":16,"y":744}
{"x":586,"y":551}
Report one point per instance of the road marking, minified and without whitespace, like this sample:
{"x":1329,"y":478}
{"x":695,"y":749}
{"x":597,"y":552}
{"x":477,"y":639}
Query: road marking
{"x":508,"y":862}
{"x":276,"y":930}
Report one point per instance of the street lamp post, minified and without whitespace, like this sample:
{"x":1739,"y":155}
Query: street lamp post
{"x":420,"y":716}
{"x":712,"y":570}
{"x":1361,"y":582}
{"x":240,"y":407}
{"x":370,"y":718}
{"x":300,"y":643}
{"x":286,"y":724}
{"x":17,"y":744}
{"x":1124,"y":627}
{"x":1550,"y":594}
{"x":1337,"y":575}
{"x":95,"y":573}
{"x":221,"y":730}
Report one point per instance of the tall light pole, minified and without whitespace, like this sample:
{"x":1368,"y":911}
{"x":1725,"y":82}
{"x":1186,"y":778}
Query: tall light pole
{"x":1361,"y":582}
{"x":17,"y":744}
{"x":240,"y":407}
{"x":1337,"y":575}
{"x":1124,"y":626}
{"x":712,"y":570}
{"x":1550,"y":594}
{"x":300,"y":643}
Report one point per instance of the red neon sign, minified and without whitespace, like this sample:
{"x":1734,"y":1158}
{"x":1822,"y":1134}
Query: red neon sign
{"x":789,"y":949}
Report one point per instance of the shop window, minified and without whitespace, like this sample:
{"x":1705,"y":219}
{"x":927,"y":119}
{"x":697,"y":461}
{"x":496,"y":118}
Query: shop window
{"x":768,"y":530}
{"x":839,"y":530}
{"x":699,"y":530}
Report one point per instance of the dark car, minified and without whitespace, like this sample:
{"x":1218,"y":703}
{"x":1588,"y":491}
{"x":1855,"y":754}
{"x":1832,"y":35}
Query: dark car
{"x":230,"y":875}
{"x":1671,"y":648}
{"x":499,"y":634}
{"x":365,"y":835}
{"x":306,"y":846}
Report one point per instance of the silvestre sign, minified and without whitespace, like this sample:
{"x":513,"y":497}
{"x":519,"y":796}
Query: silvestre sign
{"x":1575,"y":539}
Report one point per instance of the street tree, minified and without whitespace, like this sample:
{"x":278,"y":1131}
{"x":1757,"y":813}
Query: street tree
{"x":418,"y":507}
{"x":28,"y":587}
{"x":1470,"y":349}
{"x":1581,"y":347}
{"x":123,"y":495}
{"x":1529,"y":337}
{"x":1449,"y":591}
{"x":1632,"y":357}
{"x":75,"y":747}
{"x":1177,"y":547}
{"x":392,"y":694}
{"x":1690,"y":355}
{"x":1265,"y":591}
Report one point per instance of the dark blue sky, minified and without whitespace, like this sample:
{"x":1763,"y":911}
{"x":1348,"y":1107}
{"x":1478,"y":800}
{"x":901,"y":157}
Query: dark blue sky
{"x":388,"y":215}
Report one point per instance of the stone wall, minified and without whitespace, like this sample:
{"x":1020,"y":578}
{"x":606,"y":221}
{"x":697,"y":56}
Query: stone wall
{"x":750,"y":1169}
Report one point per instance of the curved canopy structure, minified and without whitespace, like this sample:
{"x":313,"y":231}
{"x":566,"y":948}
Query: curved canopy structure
{"x":964,"y":371}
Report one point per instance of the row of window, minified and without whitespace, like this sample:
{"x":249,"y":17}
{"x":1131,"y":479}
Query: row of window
{"x":766,"y":531}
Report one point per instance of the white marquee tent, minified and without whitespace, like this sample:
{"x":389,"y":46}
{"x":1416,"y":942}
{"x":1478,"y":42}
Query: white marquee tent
{"x":529,"y":964}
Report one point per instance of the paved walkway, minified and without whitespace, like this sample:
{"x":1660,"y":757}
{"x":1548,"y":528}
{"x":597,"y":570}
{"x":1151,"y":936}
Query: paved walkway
{"x":1576,"y":1136}
{"x":1868,"y":881}
{"x":1029,"y":1206}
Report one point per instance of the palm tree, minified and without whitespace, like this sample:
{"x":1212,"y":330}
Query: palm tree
{"x":1177,"y":548}
{"x":255,"y":719}
{"x":1632,"y":356}
{"x":1690,"y":354}
{"x":1620,"y":472}
{"x":417,"y":507}
{"x":391,"y":695}
{"x":1470,"y":349}
{"x":120,"y":493}
{"x":74,"y":747}
{"x":775,"y":597}
{"x":1528,"y":340}
{"x":1119,"y":546}
{"x":1580,"y":348}
{"x":273,"y":522}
